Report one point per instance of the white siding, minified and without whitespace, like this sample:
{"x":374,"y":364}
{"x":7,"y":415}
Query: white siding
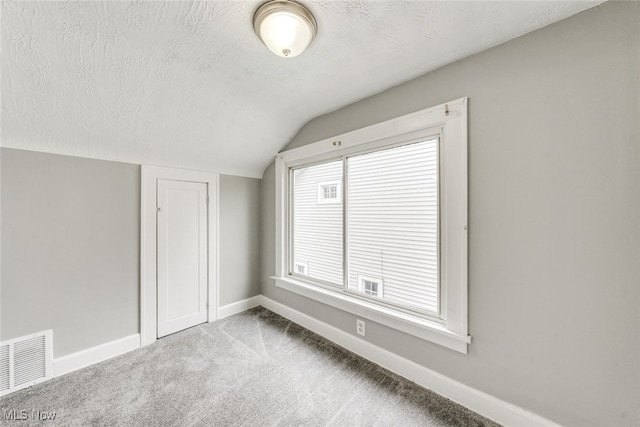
{"x":317,"y":227}
{"x":393,"y":222}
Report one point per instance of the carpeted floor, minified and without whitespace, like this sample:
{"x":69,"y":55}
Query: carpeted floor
{"x":252,"y":369}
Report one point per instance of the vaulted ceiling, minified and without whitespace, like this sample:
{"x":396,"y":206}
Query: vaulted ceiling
{"x":188,"y":83}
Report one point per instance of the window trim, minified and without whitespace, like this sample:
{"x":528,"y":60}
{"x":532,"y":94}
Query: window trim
{"x":450,"y":121}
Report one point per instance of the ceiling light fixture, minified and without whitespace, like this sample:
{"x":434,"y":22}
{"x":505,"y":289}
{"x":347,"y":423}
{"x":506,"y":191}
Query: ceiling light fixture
{"x":285,"y":27}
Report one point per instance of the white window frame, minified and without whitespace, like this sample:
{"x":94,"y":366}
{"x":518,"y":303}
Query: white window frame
{"x":362,"y":278}
{"x":449,"y":123}
{"x":327,"y":200}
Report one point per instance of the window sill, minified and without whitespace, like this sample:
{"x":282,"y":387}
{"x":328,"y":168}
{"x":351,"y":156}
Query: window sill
{"x":412,"y":325}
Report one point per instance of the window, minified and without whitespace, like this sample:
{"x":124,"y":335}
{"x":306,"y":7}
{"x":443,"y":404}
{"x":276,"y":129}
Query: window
{"x":317,"y":233}
{"x":390,"y":224}
{"x":300,"y":268}
{"x":329,"y":192}
{"x":370,"y":286}
{"x":394,"y":246}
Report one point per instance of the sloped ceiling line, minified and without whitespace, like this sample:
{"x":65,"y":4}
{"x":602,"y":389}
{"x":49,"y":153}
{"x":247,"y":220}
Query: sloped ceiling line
{"x":188,"y":84}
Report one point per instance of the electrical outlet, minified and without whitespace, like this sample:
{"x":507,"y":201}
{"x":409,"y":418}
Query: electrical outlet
{"x":360,"y":327}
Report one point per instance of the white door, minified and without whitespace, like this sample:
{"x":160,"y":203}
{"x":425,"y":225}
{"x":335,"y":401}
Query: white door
{"x":182,"y":255}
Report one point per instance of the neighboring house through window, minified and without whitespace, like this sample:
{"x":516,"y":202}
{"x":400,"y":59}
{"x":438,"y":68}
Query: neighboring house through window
{"x":301,"y":267}
{"x":370,"y":286}
{"x":329,"y":192}
{"x":393,"y":246}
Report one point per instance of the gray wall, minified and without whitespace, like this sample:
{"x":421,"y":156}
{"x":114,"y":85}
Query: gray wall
{"x":70,"y":246}
{"x":554,"y":194}
{"x":239,"y":238}
{"x":70,"y":234}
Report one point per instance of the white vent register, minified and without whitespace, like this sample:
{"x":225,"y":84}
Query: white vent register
{"x":25,"y":361}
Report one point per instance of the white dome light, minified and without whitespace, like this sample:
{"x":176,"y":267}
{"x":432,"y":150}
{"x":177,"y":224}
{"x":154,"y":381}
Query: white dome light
{"x":285,"y":27}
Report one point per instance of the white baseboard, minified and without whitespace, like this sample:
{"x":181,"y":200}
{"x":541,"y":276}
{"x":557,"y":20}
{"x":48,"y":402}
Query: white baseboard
{"x":239,"y":307}
{"x":484,"y":404}
{"x":73,"y":362}
{"x":84,"y":358}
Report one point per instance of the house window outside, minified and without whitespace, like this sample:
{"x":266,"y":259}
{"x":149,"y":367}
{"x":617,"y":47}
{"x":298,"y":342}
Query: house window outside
{"x":301,"y":267}
{"x":383,"y":216}
{"x":329,"y":192}
{"x":370,"y":286}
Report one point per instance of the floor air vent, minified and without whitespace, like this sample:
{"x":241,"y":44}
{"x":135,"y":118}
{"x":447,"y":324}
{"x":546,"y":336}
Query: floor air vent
{"x":25,"y":361}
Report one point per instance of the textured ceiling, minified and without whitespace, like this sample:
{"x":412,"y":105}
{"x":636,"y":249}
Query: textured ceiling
{"x":188,"y":83}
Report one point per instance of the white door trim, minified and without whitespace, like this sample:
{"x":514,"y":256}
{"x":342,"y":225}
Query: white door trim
{"x":148,"y":243}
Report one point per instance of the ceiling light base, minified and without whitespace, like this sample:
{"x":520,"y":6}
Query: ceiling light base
{"x":285,"y":27}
